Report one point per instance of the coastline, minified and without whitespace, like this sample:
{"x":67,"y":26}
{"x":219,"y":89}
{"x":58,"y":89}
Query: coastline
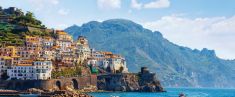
{"x":172,"y":92}
{"x":62,"y":93}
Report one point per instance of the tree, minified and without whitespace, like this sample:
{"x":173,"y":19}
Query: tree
{"x":29,"y":15}
{"x":121,"y":69}
{"x":28,"y":20}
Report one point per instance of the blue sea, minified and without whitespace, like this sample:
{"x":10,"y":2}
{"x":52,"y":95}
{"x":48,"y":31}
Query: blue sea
{"x":173,"y":92}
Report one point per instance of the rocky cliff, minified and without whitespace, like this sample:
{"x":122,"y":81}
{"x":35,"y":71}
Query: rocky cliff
{"x":143,"y":81}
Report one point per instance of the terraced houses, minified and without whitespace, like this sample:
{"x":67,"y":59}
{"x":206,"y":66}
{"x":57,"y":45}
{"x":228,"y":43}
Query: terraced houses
{"x":40,"y":56}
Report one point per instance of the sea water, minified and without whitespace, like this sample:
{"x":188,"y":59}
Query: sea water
{"x":173,"y":92}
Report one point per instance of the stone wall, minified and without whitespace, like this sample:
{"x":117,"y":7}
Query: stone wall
{"x":131,"y":82}
{"x":31,"y":29}
{"x":52,"y":84}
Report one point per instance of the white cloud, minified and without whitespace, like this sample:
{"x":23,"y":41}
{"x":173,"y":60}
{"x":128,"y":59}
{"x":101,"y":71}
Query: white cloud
{"x":154,"y":4}
{"x":63,"y":11}
{"x":158,"y":4}
{"x":213,"y":33}
{"x":136,"y":5}
{"x":109,"y":4}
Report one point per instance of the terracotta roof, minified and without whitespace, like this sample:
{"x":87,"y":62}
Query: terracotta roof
{"x":48,"y":38}
{"x":23,"y":64}
{"x":107,"y":52}
{"x":59,"y":30}
{"x":56,"y":47}
{"x":62,"y":33}
{"x":27,"y":60}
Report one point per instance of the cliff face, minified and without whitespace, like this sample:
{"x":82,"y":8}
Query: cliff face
{"x":130,"y":82}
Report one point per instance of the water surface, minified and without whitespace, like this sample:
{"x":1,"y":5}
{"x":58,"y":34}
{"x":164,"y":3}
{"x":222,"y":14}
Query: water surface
{"x":173,"y":92}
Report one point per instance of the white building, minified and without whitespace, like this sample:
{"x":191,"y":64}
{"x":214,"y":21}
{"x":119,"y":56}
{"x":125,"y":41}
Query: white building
{"x":39,"y":70}
{"x":43,"y":69}
{"x":117,"y":63}
{"x":108,"y":60}
{"x":64,"y":44}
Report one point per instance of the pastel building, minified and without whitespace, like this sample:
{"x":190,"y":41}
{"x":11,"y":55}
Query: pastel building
{"x":116,"y":63}
{"x":109,"y":61}
{"x":82,"y":50}
{"x":8,"y":51}
{"x":7,"y":62}
{"x":43,"y":69}
{"x":33,"y":43}
{"x":47,"y":42}
{"x":63,"y":40}
{"x":61,"y":35}
{"x":38,"y":70}
{"x":33,"y":61}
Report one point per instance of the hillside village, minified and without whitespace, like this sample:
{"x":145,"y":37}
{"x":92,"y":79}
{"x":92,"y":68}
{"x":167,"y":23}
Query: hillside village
{"x":53,"y":56}
{"x":35,"y":59}
{"x":40,"y":56}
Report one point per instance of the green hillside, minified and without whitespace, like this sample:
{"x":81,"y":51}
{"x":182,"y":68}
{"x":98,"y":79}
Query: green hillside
{"x":17,"y":26}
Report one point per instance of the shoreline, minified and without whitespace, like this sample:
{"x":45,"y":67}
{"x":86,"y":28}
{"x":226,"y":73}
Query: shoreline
{"x":61,"y":93}
{"x":123,"y":92}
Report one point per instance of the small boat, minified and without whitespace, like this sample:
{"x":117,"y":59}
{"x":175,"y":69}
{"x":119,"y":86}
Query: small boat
{"x":182,"y":95}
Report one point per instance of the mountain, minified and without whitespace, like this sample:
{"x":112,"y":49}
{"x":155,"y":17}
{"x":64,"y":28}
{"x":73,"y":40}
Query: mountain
{"x":176,"y":66}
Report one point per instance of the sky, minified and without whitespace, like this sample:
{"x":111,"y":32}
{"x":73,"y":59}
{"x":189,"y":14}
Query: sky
{"x":191,"y":23}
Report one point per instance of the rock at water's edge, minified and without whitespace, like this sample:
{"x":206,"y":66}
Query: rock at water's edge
{"x":130,"y":82}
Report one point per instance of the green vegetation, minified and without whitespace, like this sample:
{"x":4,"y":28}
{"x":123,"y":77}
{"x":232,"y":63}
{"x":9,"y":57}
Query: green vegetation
{"x":28,"y":20}
{"x":67,"y":72}
{"x":94,"y":70}
{"x":120,"y":70}
{"x":7,"y":36}
{"x":14,"y":31}
{"x":37,"y":33}
{"x":11,"y":36}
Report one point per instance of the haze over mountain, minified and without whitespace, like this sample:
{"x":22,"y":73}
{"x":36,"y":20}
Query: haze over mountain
{"x":175,"y":65}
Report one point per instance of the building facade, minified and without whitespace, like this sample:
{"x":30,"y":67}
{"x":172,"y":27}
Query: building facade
{"x":38,"y":70}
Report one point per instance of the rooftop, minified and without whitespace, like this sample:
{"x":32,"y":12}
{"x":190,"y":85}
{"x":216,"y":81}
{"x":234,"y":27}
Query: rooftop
{"x":62,"y":33}
{"x":23,"y":64}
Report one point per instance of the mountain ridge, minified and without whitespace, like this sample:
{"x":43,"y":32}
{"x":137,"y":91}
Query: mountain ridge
{"x":176,"y":65}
